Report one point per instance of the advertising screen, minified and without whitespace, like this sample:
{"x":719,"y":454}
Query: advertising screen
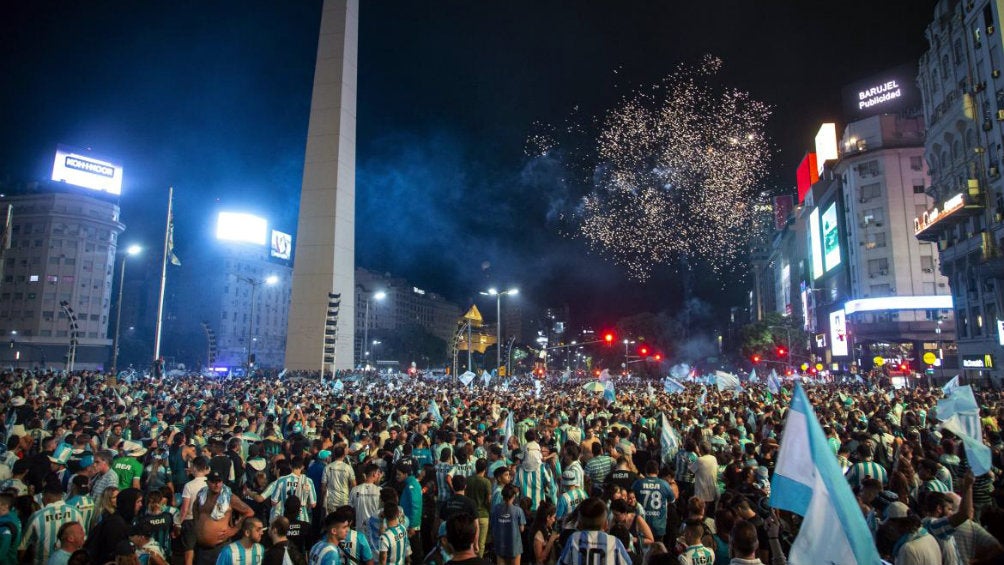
{"x":831,"y":238}
{"x":838,"y":334}
{"x":83,"y":169}
{"x":282,"y":245}
{"x":247,"y":228}
{"x":806,"y":175}
{"x":893,"y":91}
{"x":815,"y":245}
{"x":826,"y":145}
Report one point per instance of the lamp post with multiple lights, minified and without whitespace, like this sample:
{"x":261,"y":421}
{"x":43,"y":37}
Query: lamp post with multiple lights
{"x":498,"y":326}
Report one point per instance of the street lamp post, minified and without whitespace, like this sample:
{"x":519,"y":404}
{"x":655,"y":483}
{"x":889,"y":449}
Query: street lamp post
{"x":627,"y":355}
{"x":373,"y":345}
{"x":130,"y":251}
{"x":364,"y":346}
{"x":255,"y":283}
{"x":498,"y":321}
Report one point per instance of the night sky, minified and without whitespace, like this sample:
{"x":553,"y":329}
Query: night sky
{"x":213,"y":99}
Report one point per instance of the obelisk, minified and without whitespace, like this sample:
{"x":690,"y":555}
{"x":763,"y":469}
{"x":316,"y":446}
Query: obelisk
{"x":325,"y":237}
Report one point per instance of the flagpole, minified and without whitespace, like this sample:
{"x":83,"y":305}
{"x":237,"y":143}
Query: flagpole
{"x":163,"y":276}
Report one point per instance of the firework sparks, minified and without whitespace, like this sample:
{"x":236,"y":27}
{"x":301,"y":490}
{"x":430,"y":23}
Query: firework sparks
{"x":676,"y":174}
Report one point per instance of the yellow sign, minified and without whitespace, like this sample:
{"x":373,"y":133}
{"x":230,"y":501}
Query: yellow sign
{"x":819,"y":366}
{"x":879,"y":361}
{"x":805,"y":366}
{"x":474,"y":315}
{"x":930,"y":358}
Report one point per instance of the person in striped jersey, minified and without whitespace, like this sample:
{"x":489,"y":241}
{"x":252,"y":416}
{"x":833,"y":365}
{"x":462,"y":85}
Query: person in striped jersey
{"x":444,"y":472}
{"x":292,"y":482}
{"x":591,"y":545}
{"x":355,"y":545}
{"x":866,"y":468}
{"x":927,"y":470}
{"x":81,"y":499}
{"x":533,"y":484}
{"x":394,"y":546}
{"x":42,"y":529}
{"x":326,"y":551}
{"x":695,"y":553}
{"x":248,"y":550}
{"x":572,"y":496}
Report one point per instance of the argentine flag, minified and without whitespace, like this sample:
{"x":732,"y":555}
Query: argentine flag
{"x":950,"y":385}
{"x":467,"y":378}
{"x":773,"y":383}
{"x":609,"y":394}
{"x":727,"y":381}
{"x":434,"y":411}
{"x":338,"y":385}
{"x":669,"y":441}
{"x":537,"y":385}
{"x":673,"y":386}
{"x":960,"y":415}
{"x":808,"y":481}
{"x":753,"y":378}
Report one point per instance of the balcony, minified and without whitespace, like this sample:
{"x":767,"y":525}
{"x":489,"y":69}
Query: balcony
{"x":954,"y":210}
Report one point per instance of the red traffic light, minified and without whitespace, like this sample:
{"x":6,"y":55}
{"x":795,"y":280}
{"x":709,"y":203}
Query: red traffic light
{"x":657,"y":357}
{"x":608,"y":337}
{"x":756,"y":358}
{"x":902,"y":367}
{"x":781,"y":351}
{"x":643,"y":350}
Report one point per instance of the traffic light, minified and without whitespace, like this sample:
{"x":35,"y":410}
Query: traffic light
{"x":657,"y":357}
{"x":756,"y":358}
{"x":781,"y":352}
{"x":608,"y":338}
{"x":643,"y":350}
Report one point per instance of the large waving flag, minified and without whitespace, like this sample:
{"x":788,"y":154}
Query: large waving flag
{"x":338,"y":385}
{"x":669,"y":441}
{"x":773,"y":383}
{"x":951,"y":385}
{"x":508,"y":428}
{"x":537,"y":386}
{"x":467,"y":378}
{"x":434,"y":411}
{"x":753,"y":377}
{"x":486,"y":377}
{"x":960,"y":415}
{"x":703,"y":399}
{"x":609,"y":394}
{"x":604,"y":375}
{"x":673,"y":386}
{"x":808,"y":481}
{"x":727,"y":381}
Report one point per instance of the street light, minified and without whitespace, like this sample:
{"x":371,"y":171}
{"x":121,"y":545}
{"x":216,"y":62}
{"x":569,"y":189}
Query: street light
{"x":132,"y":250}
{"x":255,"y":283}
{"x":373,"y":345}
{"x":363,"y":353}
{"x":627,"y":355}
{"x":498,"y":318}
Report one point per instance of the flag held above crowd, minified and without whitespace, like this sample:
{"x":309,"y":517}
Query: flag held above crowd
{"x":673,"y":386}
{"x":808,"y":481}
{"x":727,"y":381}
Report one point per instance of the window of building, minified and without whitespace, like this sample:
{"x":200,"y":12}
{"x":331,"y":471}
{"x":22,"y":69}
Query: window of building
{"x":869,"y":169}
{"x":53,"y":260}
{"x":870,"y":191}
{"x":917,"y":163}
{"x":918,"y":189}
{"x":45,"y":333}
{"x":977,"y":321}
{"x":875,"y":240}
{"x":880,"y":290}
{"x":927,"y":263}
{"x":878,"y":267}
{"x":51,"y":279}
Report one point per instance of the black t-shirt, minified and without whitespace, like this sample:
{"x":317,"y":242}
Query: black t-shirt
{"x":622,"y":478}
{"x":459,"y":504}
{"x":276,"y":554}
{"x":298,"y":533}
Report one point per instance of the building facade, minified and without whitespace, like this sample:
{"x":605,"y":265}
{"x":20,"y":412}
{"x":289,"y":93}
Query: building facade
{"x":63,"y":246}
{"x":963,"y":104}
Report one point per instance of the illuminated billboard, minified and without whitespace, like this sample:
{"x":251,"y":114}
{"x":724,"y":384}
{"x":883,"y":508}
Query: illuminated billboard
{"x":838,"y":334}
{"x":815,"y":245}
{"x":84,"y":169}
{"x":282,"y":245}
{"x":893,"y":91}
{"x":806,"y":175}
{"x":831,"y":238}
{"x":246,"y":228}
{"x":826,"y":145}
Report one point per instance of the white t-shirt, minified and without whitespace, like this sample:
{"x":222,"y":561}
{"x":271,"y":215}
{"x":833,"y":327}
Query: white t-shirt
{"x":921,"y":551}
{"x":190,"y":491}
{"x":532,"y":457}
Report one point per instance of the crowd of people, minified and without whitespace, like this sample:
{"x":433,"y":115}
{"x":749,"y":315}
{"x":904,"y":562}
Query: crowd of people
{"x":404,"y":470}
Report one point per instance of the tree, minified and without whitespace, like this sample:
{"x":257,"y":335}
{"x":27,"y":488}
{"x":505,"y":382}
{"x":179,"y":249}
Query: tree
{"x":775,"y":332}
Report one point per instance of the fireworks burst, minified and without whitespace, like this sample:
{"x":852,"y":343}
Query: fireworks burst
{"x":676,"y":175}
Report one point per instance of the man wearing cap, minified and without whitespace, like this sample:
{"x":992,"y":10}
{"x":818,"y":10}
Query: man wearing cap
{"x":572,"y":495}
{"x":213,"y":510}
{"x":127,"y":465}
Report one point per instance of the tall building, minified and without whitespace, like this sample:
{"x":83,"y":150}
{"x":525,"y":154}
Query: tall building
{"x":325,"y":246}
{"x":401,"y":307}
{"x":63,"y":250}
{"x":963,"y":102}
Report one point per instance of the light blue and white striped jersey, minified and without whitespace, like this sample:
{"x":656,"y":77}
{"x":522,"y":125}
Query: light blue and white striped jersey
{"x":394,"y":542}
{"x":357,"y":546}
{"x":443,"y":491}
{"x":683,"y":473}
{"x":533,"y":485}
{"x":594,"y":548}
{"x":287,"y":485}
{"x":568,"y":501}
{"x":464,"y":469}
{"x":324,"y":553}
{"x":237,"y":554}
{"x":598,"y":468}
{"x":860,"y":471}
{"x":43,"y":526}
{"x":697,"y":555}
{"x":580,"y":475}
{"x":84,"y":504}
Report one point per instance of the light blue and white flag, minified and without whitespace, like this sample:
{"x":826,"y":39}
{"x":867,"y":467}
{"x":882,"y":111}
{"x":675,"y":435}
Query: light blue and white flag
{"x":669,"y":441}
{"x":434,"y":411}
{"x":773,"y":383}
{"x":537,"y":386}
{"x":609,"y":394}
{"x":604,"y":375}
{"x":338,"y":385}
{"x":704,"y":398}
{"x":281,"y":374}
{"x":508,"y":428}
{"x":467,"y":378}
{"x":727,"y":381}
{"x":753,"y":378}
{"x":486,"y":378}
{"x":808,"y":481}
{"x":951,"y":385}
{"x":566,"y":375}
{"x":960,"y":415}
{"x":673,"y":386}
